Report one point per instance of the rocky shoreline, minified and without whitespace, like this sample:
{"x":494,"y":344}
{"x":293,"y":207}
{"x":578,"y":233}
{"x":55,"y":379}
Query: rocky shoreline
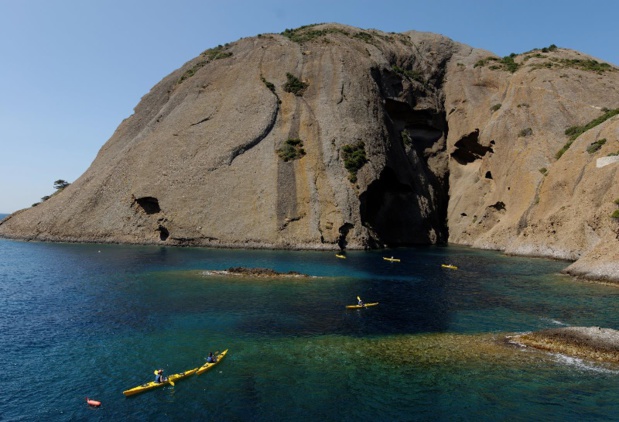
{"x":592,"y":343}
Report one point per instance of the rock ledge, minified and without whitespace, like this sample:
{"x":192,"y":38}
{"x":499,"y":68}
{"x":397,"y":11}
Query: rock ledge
{"x":255,"y":272}
{"x":593,"y":343}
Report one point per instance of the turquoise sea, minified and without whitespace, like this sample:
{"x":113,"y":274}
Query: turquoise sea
{"x":84,"y":320}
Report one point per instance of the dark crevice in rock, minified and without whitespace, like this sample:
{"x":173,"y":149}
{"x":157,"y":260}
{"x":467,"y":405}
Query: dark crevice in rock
{"x":163,"y":233}
{"x":407,"y":204}
{"x":289,"y":220}
{"x":206,"y":119}
{"x":249,"y":145}
{"x":488,"y":175}
{"x":468,"y":149}
{"x":149,"y":204}
{"x":344,"y":229}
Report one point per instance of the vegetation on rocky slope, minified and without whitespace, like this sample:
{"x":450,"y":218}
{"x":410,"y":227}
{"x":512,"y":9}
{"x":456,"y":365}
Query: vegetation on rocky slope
{"x":494,"y":63}
{"x":294,"y":85}
{"x":291,"y":150}
{"x":575,"y":131}
{"x":211,"y":54}
{"x":354,"y":158}
{"x":306,"y":33}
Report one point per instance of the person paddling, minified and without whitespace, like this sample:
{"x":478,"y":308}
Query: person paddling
{"x":359,"y":301}
{"x":159,"y":378}
{"x":211,"y":358}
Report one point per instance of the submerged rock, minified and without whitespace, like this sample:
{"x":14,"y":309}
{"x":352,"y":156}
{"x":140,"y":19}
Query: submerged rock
{"x":255,"y":272}
{"x":594,"y":343}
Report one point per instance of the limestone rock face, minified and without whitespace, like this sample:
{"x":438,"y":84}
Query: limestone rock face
{"x":511,"y":189}
{"x":331,"y":136}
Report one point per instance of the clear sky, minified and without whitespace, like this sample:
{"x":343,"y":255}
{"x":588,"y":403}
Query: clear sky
{"x":72,"y":70}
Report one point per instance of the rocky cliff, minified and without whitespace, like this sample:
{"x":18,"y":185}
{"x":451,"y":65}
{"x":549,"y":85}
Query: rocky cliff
{"x":330,"y":136}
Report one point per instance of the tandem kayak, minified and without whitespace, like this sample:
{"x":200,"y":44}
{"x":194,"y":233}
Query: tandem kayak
{"x":209,"y":365}
{"x":152,"y":385}
{"x":365,"y":305}
{"x":452,"y":267}
{"x":392,"y":259}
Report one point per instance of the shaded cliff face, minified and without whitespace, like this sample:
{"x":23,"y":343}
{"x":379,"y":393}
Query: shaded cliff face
{"x":330,"y":136}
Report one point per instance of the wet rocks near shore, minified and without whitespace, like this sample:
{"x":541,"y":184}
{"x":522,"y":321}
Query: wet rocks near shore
{"x":255,"y":272}
{"x":594,"y":343}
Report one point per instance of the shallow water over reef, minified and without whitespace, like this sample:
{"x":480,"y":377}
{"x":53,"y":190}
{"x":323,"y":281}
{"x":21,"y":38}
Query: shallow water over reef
{"x":94,"y":320}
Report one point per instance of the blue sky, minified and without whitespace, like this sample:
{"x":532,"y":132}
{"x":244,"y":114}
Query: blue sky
{"x":71,"y":71}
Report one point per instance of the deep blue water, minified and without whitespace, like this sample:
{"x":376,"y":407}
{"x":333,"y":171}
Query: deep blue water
{"x":94,"y":320}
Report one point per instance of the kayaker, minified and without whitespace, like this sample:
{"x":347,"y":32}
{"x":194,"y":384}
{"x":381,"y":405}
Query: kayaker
{"x":211,"y":358}
{"x":159,"y":378}
{"x":359,"y":301}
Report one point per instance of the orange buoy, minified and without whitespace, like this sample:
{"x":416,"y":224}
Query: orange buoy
{"x":93,"y":403}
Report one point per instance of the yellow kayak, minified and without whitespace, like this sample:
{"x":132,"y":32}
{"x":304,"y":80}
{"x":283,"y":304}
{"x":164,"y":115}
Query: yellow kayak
{"x":392,"y":259}
{"x":340,"y":256}
{"x":209,"y":365}
{"x":152,"y":385}
{"x":365,"y":305}
{"x":452,"y":267}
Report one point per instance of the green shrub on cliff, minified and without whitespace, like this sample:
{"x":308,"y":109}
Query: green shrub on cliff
{"x":291,"y":150}
{"x":192,"y":71}
{"x":61,"y":184}
{"x":594,"y":146}
{"x":407,"y":139}
{"x":589,"y":65}
{"x":364,"y":36}
{"x":575,"y":131}
{"x":412,"y":75}
{"x":211,"y":54}
{"x":294,"y":85}
{"x":615,"y":213}
{"x":354,"y":158}
{"x":505,"y":63}
{"x":217,"y":53}
{"x":305,"y":33}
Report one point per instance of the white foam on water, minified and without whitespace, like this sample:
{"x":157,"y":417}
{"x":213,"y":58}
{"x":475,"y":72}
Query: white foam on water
{"x":554,"y":321}
{"x":582,"y":364}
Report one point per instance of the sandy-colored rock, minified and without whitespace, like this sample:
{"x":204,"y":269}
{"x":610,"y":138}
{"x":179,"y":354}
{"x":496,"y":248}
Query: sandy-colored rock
{"x":593,"y":343}
{"x":459,"y":149}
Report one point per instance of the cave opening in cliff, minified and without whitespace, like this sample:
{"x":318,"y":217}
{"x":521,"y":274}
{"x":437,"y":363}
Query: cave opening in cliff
{"x":469,"y":149}
{"x":341,"y":241}
{"x":149,"y":204}
{"x":390,"y":210}
{"x":163,"y":233}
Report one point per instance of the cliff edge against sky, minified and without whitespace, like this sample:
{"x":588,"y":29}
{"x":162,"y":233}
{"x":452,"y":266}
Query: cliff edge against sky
{"x":330,"y":136}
